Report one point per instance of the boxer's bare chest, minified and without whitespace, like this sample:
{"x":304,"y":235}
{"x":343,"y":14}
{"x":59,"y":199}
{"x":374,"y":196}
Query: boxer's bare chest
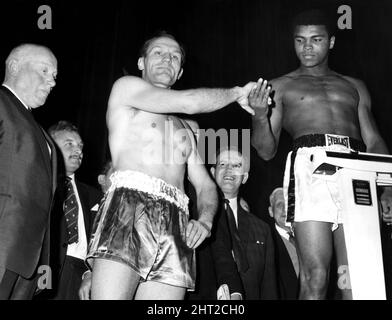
{"x":326,"y":103}
{"x":170,"y":135}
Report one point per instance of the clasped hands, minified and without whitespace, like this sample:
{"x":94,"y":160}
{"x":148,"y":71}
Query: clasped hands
{"x":255,"y":97}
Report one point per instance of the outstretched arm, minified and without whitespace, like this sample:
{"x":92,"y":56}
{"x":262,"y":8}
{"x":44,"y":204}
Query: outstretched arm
{"x":265,"y":130}
{"x":135,"y":92}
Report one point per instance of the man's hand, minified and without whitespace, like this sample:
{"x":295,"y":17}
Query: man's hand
{"x":243,"y":99}
{"x":196,"y":232}
{"x":259,"y":98}
{"x":386,"y":205}
{"x":223,"y":293}
{"x":85,"y":287}
{"x":236,"y":296}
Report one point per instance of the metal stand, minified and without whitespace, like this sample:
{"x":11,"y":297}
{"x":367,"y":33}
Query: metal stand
{"x":358,"y":175}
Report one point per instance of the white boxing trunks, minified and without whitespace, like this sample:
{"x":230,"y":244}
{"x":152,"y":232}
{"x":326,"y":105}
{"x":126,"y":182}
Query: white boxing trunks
{"x":309,"y":196}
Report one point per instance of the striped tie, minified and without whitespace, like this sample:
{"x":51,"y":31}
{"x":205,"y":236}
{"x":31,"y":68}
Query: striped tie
{"x":70,"y":207}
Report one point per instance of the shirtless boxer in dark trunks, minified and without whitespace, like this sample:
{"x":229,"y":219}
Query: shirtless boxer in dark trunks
{"x":143,"y":246}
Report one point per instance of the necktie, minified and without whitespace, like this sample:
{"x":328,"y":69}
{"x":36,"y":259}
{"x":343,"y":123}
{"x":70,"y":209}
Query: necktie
{"x":291,"y":237}
{"x":70,"y":207}
{"x":238,"y":250}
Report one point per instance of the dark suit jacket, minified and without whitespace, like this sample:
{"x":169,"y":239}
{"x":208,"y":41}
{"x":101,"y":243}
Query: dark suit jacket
{"x":27,"y":184}
{"x":89,"y":197}
{"x":259,"y":280}
{"x":205,"y":284}
{"x":287,"y":278}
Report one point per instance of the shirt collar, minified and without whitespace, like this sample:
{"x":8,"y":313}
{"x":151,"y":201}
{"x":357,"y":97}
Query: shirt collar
{"x":233,"y":204}
{"x":234,"y":208}
{"x":283,"y":233}
{"x":4,"y":85}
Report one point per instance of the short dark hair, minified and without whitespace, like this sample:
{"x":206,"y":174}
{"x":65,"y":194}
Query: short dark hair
{"x":314,"y":17}
{"x":162,"y":34}
{"x":62,"y":125}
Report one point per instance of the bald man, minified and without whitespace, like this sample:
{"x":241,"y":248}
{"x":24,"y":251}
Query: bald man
{"x":27,"y":170}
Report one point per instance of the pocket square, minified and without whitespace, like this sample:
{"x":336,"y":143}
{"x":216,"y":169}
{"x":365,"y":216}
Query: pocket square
{"x":95,"y":208}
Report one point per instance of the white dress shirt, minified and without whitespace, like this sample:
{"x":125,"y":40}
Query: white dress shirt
{"x":234,"y":207}
{"x":283,"y":232}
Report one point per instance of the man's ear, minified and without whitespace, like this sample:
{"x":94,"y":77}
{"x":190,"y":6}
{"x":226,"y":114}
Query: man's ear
{"x":101,"y":179}
{"x":180,"y":74}
{"x":140,"y":63}
{"x":212,"y":170}
{"x":13,"y":66}
{"x":331,"y":42}
{"x":270,"y":212}
{"x":245,"y":178}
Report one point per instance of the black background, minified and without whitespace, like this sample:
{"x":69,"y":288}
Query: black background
{"x":228,"y":43}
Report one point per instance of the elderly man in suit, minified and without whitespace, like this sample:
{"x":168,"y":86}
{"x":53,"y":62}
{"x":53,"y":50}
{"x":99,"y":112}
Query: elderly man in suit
{"x":27,"y":170}
{"x":249,"y":272}
{"x":72,"y":217}
{"x":287,"y":263}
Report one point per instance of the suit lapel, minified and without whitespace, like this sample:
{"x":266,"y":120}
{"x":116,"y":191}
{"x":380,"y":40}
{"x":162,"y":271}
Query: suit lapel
{"x":284,"y":253}
{"x":39,"y":132}
{"x":53,"y":159}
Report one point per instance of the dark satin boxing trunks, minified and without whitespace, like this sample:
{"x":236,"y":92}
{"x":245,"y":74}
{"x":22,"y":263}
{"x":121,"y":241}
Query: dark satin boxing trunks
{"x":142,"y":223}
